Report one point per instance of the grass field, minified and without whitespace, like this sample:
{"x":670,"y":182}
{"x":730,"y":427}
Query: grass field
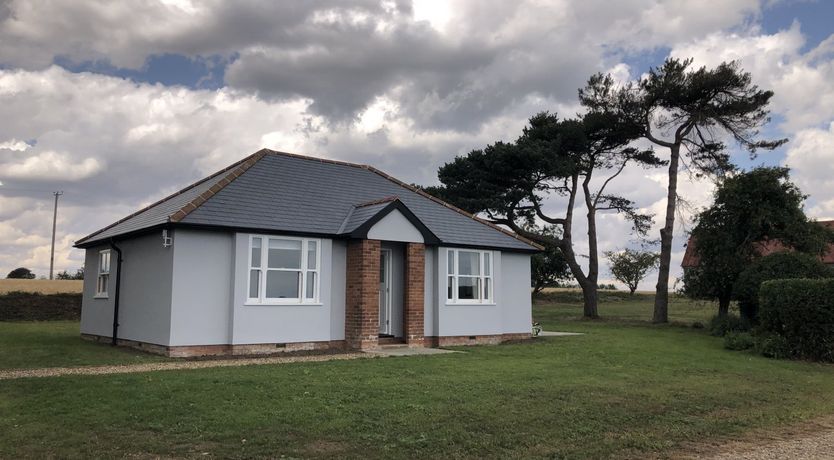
{"x":625,"y":389}
{"x":41,"y":286}
{"x":58,"y":344}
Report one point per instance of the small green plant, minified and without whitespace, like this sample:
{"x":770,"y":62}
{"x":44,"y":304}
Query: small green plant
{"x":537,"y":329}
{"x":738,"y":341}
{"x":719,"y":325}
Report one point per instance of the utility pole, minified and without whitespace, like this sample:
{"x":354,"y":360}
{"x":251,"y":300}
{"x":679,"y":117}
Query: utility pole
{"x":54,"y":220}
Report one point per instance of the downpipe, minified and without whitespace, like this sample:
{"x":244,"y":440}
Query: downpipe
{"x":116,"y":293}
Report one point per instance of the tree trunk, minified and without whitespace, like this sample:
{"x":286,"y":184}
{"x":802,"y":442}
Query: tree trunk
{"x":723,"y":307}
{"x":661,"y":299}
{"x":589,"y":289}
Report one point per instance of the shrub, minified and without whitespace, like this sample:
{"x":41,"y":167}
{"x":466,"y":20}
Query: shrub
{"x":771,"y":345}
{"x":801,"y":311}
{"x":738,"y":341}
{"x":27,"y":306}
{"x":719,"y":326}
{"x":780,"y":265}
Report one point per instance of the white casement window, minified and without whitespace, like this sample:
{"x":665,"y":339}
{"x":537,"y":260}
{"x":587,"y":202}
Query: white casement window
{"x":283,"y":270}
{"x":103,"y":273}
{"x":469,"y":276}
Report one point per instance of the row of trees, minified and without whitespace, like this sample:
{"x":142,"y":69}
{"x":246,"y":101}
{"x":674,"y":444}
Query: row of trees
{"x":685,"y":112}
{"x":25,"y":273}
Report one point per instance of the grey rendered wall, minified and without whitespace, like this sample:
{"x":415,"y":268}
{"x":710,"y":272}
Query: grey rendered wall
{"x":395,"y":227}
{"x":202,"y":288}
{"x":511,"y":312}
{"x":430,"y":294}
{"x":145,"y":298}
{"x":252,"y":324}
{"x":515,"y":296}
{"x":96,"y":314}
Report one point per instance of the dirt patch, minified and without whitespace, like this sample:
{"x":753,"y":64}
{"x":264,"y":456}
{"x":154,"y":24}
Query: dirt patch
{"x":809,"y":440}
{"x":27,"y":306}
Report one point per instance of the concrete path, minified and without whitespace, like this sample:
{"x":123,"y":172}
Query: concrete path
{"x":558,"y":334}
{"x":406,"y":351}
{"x":176,"y":365}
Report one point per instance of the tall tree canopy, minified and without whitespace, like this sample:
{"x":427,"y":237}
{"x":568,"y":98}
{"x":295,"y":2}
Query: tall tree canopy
{"x":510,"y":182}
{"x":750,"y":211}
{"x":691,"y":111}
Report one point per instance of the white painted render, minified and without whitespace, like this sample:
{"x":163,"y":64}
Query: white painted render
{"x":202,"y":288}
{"x":253,"y":323}
{"x":395,"y":227}
{"x":194,"y":293}
{"x":145,"y":298}
{"x":430,"y":316}
{"x":511,"y":311}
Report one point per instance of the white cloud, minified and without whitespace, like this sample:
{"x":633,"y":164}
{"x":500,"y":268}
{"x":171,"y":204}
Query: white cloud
{"x":14,"y":145}
{"x":803,"y":93}
{"x":51,"y":165}
{"x":811,"y":159}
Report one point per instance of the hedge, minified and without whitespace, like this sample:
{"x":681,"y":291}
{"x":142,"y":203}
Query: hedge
{"x":801,"y":311}
{"x":777,"y":266}
{"x":28,"y":306}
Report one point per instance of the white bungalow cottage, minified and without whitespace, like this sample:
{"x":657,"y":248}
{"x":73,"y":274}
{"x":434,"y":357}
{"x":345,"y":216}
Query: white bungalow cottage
{"x":284,"y":252}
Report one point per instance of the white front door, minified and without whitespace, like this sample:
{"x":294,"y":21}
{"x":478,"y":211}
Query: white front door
{"x":385,"y":292}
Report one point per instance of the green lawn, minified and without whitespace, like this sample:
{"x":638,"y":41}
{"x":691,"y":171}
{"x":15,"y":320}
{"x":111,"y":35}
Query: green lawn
{"x":623,"y":389}
{"x":58,"y":343}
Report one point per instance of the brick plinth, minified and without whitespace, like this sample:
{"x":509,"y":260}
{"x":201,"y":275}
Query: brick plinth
{"x":190,"y":351}
{"x":414,"y":293}
{"x":458,"y":340}
{"x":362,"y":296}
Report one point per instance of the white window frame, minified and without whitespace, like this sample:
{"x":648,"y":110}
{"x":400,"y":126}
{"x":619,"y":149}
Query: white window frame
{"x":103,"y":276}
{"x":486,"y":291}
{"x":264,"y":268}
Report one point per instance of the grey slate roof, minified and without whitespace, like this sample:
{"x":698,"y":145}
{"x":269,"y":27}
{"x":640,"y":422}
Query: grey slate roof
{"x":289,"y":193}
{"x":359,"y":214}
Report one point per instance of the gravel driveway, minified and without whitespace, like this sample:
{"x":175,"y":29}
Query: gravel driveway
{"x":812,"y":440}
{"x":131,"y":368}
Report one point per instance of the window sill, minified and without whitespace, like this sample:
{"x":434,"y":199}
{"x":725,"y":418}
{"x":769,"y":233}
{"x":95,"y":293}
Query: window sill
{"x":282,"y":304}
{"x":486,"y":304}
{"x":101,"y":296}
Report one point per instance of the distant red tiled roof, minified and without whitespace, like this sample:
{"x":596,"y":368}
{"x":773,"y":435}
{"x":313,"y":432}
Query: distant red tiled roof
{"x":690,"y":257}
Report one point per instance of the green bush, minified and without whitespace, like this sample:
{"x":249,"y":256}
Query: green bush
{"x":780,"y":265}
{"x":771,"y":345}
{"x":719,"y":326}
{"x":801,"y":311}
{"x":738,"y":341}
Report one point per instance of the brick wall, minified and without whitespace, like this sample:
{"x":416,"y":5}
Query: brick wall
{"x":415,"y":279}
{"x":362,"y":297}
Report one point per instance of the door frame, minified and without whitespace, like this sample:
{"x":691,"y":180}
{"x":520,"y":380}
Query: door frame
{"x":386,"y":259}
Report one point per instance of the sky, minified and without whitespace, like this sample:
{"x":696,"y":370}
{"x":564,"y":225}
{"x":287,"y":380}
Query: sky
{"x":118,"y":104}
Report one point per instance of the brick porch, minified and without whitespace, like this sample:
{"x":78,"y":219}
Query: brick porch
{"x":362,"y":296}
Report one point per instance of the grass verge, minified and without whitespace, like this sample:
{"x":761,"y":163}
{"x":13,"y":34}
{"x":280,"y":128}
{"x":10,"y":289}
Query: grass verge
{"x":625,"y":389}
